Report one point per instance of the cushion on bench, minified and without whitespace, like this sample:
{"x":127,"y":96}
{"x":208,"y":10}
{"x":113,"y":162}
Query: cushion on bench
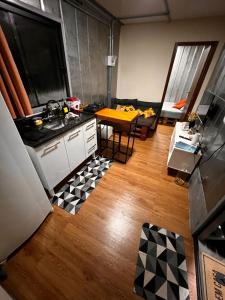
{"x":142,"y":105}
{"x":116,"y":101}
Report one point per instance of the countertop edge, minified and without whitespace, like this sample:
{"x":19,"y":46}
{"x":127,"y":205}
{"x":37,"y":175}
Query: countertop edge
{"x":54,"y":134}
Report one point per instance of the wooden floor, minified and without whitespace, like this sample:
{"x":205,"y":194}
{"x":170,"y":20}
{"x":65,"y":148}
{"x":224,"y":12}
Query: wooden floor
{"x":93,"y":255}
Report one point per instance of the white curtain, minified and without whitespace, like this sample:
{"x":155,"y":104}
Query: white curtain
{"x":186,"y":66}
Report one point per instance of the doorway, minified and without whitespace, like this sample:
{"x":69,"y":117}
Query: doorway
{"x":189,"y":64}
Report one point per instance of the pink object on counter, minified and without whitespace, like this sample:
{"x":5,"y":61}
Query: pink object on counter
{"x":73,"y":103}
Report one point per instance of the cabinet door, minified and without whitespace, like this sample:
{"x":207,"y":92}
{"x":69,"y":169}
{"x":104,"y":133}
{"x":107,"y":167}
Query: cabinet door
{"x":91,"y":149}
{"x":90,"y":144}
{"x":90,"y":128}
{"x":90,"y":137}
{"x":53,"y":161}
{"x":74,"y":142}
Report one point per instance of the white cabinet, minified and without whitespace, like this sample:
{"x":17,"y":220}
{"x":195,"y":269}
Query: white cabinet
{"x":90,"y":137}
{"x":180,"y":159}
{"x":90,"y":127}
{"x":50,"y":161}
{"x":74,"y":142}
{"x":57,"y":158}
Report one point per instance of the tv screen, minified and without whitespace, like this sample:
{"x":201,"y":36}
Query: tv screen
{"x":36,"y":46}
{"x":212,"y":165}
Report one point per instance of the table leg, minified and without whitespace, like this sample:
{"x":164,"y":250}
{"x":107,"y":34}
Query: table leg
{"x":107,"y":133}
{"x":128,"y":142}
{"x":133,"y":137}
{"x":120,"y":135}
{"x":113,"y":148}
{"x":100,"y":139}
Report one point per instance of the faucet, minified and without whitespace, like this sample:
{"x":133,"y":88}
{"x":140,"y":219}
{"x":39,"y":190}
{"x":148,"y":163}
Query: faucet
{"x":52,"y":111}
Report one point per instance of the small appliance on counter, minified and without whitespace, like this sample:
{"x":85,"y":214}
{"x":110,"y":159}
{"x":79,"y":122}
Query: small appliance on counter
{"x":54,"y":109}
{"x":74,"y":104}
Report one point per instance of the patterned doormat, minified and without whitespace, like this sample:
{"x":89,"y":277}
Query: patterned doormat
{"x":161,"y":271}
{"x":76,"y":191}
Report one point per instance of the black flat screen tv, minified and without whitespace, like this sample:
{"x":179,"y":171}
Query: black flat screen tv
{"x":207,"y":183}
{"x":212,"y":165}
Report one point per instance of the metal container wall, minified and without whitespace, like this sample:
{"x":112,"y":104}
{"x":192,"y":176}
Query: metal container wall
{"x":116,"y":40}
{"x":87,"y":42}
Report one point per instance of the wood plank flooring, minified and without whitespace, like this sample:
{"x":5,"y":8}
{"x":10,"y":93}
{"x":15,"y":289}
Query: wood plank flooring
{"x":92,"y":255}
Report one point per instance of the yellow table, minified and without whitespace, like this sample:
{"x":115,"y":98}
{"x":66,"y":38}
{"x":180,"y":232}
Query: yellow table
{"x":118,"y":119}
{"x":116,"y":116}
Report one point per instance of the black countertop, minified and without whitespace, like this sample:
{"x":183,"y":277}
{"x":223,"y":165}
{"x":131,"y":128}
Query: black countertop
{"x":34,"y":137}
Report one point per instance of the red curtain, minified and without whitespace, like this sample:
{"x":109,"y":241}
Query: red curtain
{"x":11,"y":85}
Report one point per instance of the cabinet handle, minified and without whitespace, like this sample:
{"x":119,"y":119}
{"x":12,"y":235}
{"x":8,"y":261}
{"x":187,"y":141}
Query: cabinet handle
{"x":50,"y":148}
{"x":73,"y":135}
{"x":91,"y":138}
{"x":92,"y":148}
{"x":90,"y":126}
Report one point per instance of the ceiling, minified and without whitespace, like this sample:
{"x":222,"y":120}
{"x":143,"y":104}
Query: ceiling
{"x":136,"y":11}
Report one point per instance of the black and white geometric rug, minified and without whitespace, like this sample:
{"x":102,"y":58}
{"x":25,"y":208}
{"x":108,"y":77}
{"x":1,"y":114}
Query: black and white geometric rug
{"x":76,"y":191}
{"x":161,"y":271}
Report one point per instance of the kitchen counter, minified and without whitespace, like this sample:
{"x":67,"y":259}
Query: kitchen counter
{"x":34,"y":137}
{"x":57,"y":153}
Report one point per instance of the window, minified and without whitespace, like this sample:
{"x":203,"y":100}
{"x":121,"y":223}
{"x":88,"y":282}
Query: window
{"x":36,"y":46}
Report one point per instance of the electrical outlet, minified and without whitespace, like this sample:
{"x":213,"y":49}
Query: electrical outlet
{"x":111,"y":60}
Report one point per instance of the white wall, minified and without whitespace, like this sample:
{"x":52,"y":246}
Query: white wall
{"x":146,"y":49}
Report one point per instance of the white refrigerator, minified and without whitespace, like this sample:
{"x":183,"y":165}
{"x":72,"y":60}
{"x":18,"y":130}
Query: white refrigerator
{"x":23,"y":202}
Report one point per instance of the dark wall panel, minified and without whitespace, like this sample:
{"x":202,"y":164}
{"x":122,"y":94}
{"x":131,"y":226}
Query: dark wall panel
{"x":52,"y":7}
{"x":116,"y":40}
{"x":70,"y":24}
{"x":212,"y":166}
{"x":9,"y":30}
{"x":49,"y":6}
{"x":87,"y":41}
{"x":93,"y":56}
{"x":35,"y":45}
{"x":35,"y":3}
{"x":103,"y":52}
{"x":42,"y":58}
{"x":83,"y":43}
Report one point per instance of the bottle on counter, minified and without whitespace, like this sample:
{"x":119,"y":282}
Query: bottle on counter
{"x":65,"y":108}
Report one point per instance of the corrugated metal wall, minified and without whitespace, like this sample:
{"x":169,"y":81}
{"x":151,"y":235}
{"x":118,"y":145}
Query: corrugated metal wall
{"x":87,"y":41}
{"x":35,"y":3}
{"x":87,"y":48}
{"x":187,"y":62}
{"x":116,"y":40}
{"x":50,"y":6}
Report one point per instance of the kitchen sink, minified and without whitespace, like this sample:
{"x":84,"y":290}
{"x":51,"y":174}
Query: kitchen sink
{"x":54,"y":125}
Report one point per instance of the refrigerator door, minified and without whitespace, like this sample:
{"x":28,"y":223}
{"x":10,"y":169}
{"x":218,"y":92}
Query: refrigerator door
{"x":4,"y":295}
{"x":23,"y":202}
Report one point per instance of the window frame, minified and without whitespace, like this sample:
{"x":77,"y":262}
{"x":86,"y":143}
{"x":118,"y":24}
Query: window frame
{"x":35,"y":14}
